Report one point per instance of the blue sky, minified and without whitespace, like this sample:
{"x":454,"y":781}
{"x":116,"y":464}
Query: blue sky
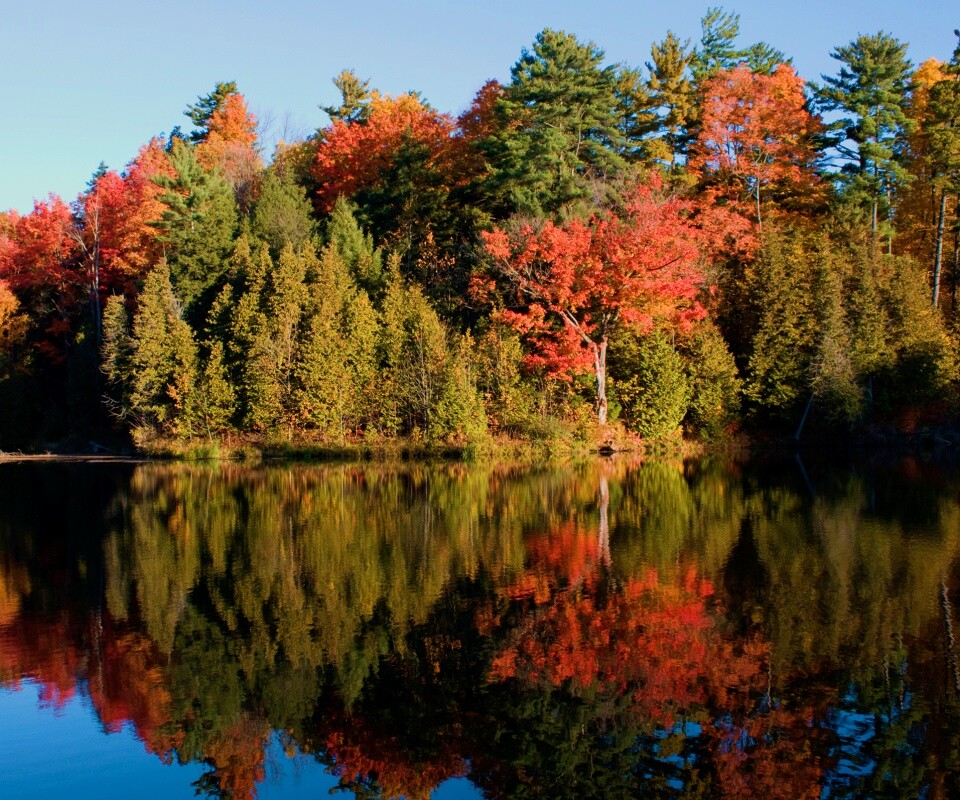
{"x":91,"y":81}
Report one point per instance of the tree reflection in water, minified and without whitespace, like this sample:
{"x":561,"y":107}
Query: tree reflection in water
{"x":611,"y":629}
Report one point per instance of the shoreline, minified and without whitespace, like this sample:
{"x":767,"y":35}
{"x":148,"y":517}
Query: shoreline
{"x":928,"y":443}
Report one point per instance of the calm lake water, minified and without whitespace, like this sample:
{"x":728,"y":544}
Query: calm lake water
{"x":616,"y":629}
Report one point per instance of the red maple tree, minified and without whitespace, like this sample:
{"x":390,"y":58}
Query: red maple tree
{"x":41,"y":265}
{"x":576,"y":282}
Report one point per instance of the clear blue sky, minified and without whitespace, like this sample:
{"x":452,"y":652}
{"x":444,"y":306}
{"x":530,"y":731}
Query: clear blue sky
{"x":90,"y":81}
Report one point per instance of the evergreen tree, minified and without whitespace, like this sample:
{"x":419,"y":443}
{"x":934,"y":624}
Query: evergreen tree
{"x":116,"y":355}
{"x":214,"y":401}
{"x":206,"y":106}
{"x":764,"y":59}
{"x":390,"y":350}
{"x":943,"y":132}
{"x":925,"y":361}
{"x":235,"y":315}
{"x":261,"y":386}
{"x":354,"y":98}
{"x":868,"y":320}
{"x":277,"y":330}
{"x":871,"y":91}
{"x":834,"y":380}
{"x":364,"y":261}
{"x":251,"y":349}
{"x":651,"y":383}
{"x":325,"y":387}
{"x":361,"y":326}
{"x":498,"y":358}
{"x":163,"y":358}
{"x":672,"y":95}
{"x":326,"y":390}
{"x":422,"y":389}
{"x":424,"y":365}
{"x":196,"y":229}
{"x":717,"y":51}
{"x":282,"y":214}
{"x":460,"y":415}
{"x":638,"y":117}
{"x":783,"y":338}
{"x":562,"y":131}
{"x":712,"y":376}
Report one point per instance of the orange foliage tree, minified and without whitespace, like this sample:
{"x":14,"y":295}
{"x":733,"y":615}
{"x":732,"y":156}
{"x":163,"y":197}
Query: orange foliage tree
{"x":917,"y":211}
{"x":42,"y":651}
{"x":354,"y":155}
{"x":60,"y":259}
{"x":756,"y":137}
{"x":128,"y":684}
{"x":13,"y":328}
{"x":229,"y":144}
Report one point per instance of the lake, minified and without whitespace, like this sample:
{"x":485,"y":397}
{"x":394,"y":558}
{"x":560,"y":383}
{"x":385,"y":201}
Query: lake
{"x":774,"y":628}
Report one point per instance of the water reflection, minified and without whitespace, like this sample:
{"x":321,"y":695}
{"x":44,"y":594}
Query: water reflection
{"x":612,"y":629}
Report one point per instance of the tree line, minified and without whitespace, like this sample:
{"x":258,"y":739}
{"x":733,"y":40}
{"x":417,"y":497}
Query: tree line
{"x":705,"y":242}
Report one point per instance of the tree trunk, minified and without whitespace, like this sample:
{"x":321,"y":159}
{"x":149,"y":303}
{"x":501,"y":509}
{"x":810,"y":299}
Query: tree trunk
{"x":803,"y":419}
{"x":600,"y":370}
{"x":952,"y":665}
{"x":938,"y":256}
{"x":603,"y":534}
{"x":889,"y":219}
{"x":956,"y":254}
{"x":757,"y":194}
{"x":95,"y":297}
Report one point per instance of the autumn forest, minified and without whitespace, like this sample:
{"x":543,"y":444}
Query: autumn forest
{"x":707,"y":245}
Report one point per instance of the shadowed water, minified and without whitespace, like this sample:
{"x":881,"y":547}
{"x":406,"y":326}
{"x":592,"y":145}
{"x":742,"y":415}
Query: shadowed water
{"x":615,"y":629}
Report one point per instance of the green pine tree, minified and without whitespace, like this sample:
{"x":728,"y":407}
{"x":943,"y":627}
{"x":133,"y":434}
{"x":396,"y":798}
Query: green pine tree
{"x":673,"y":97}
{"x":460,"y":414}
{"x":783,"y":342}
{"x":200,"y":112}
{"x":424,"y":365}
{"x":326,"y":389}
{"x":563,"y":127}
{"x":834,"y":379}
{"x":215,"y":399}
{"x":364,"y":261}
{"x":390,"y":351}
{"x":361,"y":326}
{"x":651,"y":384}
{"x":498,"y":360}
{"x":354,"y":98}
{"x":282,"y":214}
{"x":116,"y":355}
{"x":717,"y":51}
{"x":871,"y":93}
{"x":163,"y":358}
{"x":715,"y":386}
{"x":196,"y":229}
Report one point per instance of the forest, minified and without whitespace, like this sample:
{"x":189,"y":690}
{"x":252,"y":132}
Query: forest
{"x":707,"y":246}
